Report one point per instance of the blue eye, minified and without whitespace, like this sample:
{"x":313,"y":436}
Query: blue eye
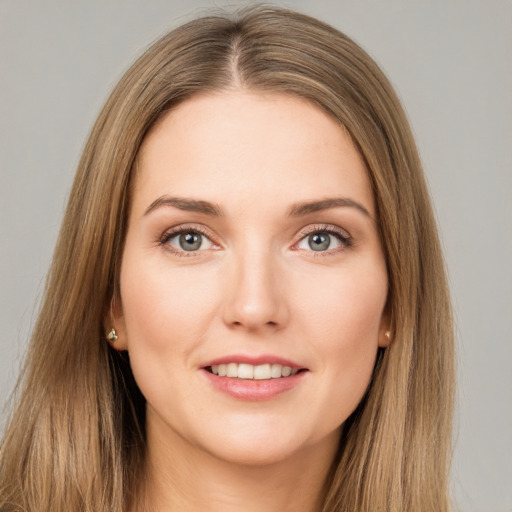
{"x":323,"y":240}
{"x":319,"y":241}
{"x":188,"y":240}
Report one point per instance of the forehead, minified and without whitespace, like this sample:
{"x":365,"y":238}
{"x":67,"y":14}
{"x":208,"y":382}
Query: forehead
{"x":247,"y":146}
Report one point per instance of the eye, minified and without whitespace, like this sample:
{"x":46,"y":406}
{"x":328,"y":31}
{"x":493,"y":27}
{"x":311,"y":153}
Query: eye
{"x":188,"y":240}
{"x":323,"y":240}
{"x":319,"y":241}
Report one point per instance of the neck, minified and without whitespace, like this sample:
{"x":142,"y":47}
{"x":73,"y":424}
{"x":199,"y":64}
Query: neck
{"x":181,"y":476}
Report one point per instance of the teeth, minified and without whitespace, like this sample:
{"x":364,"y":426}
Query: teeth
{"x":232,"y":370}
{"x":245,"y":371}
{"x":248,"y":371}
{"x":262,"y":372}
{"x":276,"y":370}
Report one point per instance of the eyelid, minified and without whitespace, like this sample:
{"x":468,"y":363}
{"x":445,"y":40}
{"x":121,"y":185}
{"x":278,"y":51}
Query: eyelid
{"x":174,"y":231}
{"x":343,"y":235}
{"x":313,"y":228}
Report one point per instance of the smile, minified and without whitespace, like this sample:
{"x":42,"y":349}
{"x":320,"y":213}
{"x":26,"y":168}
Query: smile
{"x":252,"y":372}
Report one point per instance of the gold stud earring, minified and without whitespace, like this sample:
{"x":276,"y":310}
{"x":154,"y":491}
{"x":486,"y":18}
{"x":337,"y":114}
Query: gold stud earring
{"x":112,"y":336}
{"x":387,"y":334}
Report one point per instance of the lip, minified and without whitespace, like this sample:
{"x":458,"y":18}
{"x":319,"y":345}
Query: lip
{"x":253,"y":390}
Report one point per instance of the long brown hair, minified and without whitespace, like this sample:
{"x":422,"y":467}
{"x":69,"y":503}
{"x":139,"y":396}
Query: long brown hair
{"x":76,"y":439}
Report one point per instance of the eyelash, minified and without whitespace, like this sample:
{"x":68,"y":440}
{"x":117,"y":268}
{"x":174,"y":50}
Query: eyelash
{"x":344,"y":239}
{"x":173,"y":232}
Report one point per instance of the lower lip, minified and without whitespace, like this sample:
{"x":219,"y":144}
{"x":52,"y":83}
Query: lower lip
{"x":254,"y":390}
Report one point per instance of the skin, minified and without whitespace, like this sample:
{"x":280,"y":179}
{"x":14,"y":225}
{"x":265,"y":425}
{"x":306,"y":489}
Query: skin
{"x":254,"y":287}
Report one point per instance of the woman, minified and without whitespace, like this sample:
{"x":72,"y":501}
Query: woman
{"x":247,"y":307}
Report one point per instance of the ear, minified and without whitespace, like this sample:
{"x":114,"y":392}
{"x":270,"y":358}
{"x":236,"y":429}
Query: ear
{"x":385,"y":333}
{"x":115,"y":326}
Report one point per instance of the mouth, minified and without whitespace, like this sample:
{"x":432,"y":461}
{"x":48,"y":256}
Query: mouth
{"x":250,"y":378}
{"x":247,"y":371}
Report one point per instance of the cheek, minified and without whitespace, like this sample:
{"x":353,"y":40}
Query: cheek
{"x":165,"y":311}
{"x":345,"y":307}
{"x":343,"y":318}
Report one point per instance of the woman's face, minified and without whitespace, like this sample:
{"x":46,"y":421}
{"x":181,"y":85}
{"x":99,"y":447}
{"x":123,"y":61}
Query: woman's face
{"x":253,"y":281}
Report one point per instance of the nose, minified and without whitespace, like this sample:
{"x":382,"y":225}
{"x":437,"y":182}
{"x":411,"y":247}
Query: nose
{"x":255,"y":295}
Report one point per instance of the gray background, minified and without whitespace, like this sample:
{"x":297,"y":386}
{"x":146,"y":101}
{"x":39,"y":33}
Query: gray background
{"x":450,"y":62}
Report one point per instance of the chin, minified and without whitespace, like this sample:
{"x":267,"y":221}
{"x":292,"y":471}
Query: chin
{"x":254,"y":447}
{"x":264,"y":453}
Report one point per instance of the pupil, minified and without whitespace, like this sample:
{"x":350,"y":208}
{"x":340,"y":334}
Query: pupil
{"x":319,"y":242}
{"x":190,"y":241}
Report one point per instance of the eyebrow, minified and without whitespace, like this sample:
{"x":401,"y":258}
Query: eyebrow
{"x":214,"y":210}
{"x":190,"y":205}
{"x":300,"y":209}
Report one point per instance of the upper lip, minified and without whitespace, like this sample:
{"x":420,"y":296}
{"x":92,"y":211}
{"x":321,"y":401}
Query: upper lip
{"x":254,"y":360}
